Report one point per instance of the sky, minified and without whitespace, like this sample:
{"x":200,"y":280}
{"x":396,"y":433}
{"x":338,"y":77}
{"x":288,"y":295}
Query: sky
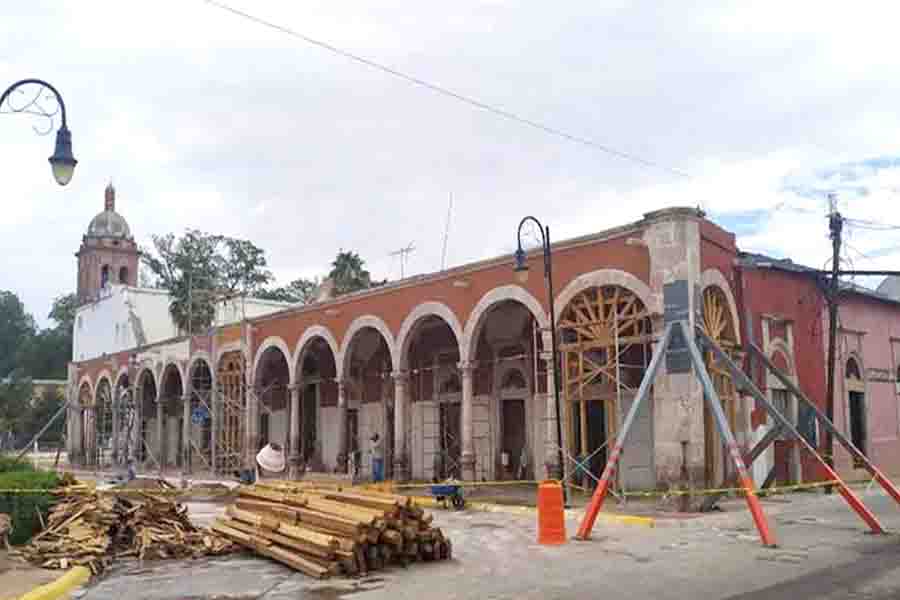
{"x":203,"y":119}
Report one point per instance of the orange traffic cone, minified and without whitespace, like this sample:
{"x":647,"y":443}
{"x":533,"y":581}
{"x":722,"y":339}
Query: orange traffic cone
{"x":551,"y":518}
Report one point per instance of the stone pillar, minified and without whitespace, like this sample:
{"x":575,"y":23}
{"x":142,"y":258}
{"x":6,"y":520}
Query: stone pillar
{"x":186,"y":434}
{"x":551,"y":452}
{"x":115,"y":427}
{"x":160,"y":432}
{"x":294,"y":457}
{"x":466,"y":371}
{"x":401,"y":405}
{"x":342,"y":427}
{"x":251,"y":414}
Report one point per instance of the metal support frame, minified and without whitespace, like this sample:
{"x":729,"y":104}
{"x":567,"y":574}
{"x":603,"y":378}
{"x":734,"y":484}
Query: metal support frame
{"x":826,"y":423}
{"x":739,"y":376}
{"x":712,"y":400}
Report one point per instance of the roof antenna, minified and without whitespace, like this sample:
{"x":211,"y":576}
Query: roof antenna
{"x":446,"y":234}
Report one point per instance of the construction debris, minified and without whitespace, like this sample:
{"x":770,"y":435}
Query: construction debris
{"x":324,"y":530}
{"x":92,"y":529}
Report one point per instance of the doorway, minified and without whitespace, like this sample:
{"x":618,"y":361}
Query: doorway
{"x":512,"y":426}
{"x":590,"y":435}
{"x":353,"y":439}
{"x":858,"y":420}
{"x":448,"y":459}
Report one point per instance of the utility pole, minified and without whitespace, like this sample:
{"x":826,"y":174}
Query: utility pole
{"x":835,"y":226}
{"x":402,"y":253}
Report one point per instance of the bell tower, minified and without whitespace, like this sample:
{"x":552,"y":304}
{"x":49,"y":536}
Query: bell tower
{"x":108,"y":254}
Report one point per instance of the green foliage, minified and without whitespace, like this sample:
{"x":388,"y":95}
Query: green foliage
{"x":15,"y":327}
{"x":348,"y":273}
{"x":63,"y":312}
{"x":24,"y":507}
{"x":45,"y":354}
{"x":299,"y":291}
{"x":9,"y":464}
{"x":15,"y":404}
{"x":197,"y":267}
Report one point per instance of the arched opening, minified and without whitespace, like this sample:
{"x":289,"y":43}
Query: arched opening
{"x":720,"y":327}
{"x":856,"y":406}
{"x":434,"y":390}
{"x":172,"y":431}
{"x":201,"y":415}
{"x":125,"y":415}
{"x":104,"y":276}
{"x":318,"y":404}
{"x":604,"y":339}
{"x":87,"y":433}
{"x":271,"y":387}
{"x":104,"y":424}
{"x":369,"y":393}
{"x":506,"y":434}
{"x":231,"y":388}
{"x":148,"y":448}
{"x":123,"y":275}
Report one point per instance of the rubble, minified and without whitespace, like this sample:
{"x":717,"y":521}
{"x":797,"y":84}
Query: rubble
{"x":94,"y":529}
{"x":325,"y":530}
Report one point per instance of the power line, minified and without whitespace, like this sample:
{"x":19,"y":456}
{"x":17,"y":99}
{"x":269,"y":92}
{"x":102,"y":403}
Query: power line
{"x":450,"y":93}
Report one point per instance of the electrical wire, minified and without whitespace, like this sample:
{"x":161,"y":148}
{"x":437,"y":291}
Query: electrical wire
{"x":871,"y":225}
{"x":452,"y":94}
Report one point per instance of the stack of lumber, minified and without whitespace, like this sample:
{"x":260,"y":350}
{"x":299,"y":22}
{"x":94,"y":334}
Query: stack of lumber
{"x":324,"y":530}
{"x":93,"y":529}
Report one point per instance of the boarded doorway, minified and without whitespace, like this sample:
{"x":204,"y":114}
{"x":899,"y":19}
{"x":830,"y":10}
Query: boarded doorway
{"x":512,"y":425}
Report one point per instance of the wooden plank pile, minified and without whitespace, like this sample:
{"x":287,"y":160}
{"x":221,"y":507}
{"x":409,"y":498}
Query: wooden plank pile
{"x":323,"y":530}
{"x":93,"y":529}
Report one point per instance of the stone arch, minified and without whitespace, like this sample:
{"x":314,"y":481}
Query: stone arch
{"x":104,"y":376}
{"x":142,"y":373}
{"x":854,"y":360}
{"x":426,"y":309}
{"x":607,"y":277}
{"x":85,"y":381}
{"x":311,"y":333}
{"x":779,"y":346}
{"x":515,"y":293}
{"x":358,"y":324}
{"x":267,"y":344}
{"x":179,"y":368}
{"x":714,"y":277}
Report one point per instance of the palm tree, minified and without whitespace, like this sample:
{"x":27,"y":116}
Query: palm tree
{"x":348,"y":273}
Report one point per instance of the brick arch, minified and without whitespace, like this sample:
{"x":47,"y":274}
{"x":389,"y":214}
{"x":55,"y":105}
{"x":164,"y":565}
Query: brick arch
{"x":714,"y":278}
{"x":515,"y":293}
{"x":138,"y":381}
{"x":407,"y":329}
{"x":267,"y":344}
{"x":358,"y":324}
{"x":226,"y":349}
{"x":309,"y":334}
{"x":178,"y":369}
{"x":607,"y":277}
{"x":106,"y":376}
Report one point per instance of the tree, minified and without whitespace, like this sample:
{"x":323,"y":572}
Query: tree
{"x":348,"y":273}
{"x":15,"y":327}
{"x":63,"y":311}
{"x":197,"y":267}
{"x":15,"y":401}
{"x":299,"y":291}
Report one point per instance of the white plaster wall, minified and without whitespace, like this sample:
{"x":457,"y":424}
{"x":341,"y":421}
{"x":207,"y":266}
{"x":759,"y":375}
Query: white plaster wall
{"x":278,"y":427}
{"x":371,"y":420}
{"x":425,"y":441}
{"x":539,"y":428}
{"x":235,"y":310}
{"x":484,"y":431}
{"x":764,"y":463}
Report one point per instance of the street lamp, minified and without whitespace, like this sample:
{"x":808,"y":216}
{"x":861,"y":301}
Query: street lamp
{"x":62,"y":162}
{"x":521,"y":271}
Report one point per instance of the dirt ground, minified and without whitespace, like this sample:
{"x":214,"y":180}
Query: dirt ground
{"x":18,"y":577}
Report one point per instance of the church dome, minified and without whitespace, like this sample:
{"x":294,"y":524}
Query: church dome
{"x":109,"y":223}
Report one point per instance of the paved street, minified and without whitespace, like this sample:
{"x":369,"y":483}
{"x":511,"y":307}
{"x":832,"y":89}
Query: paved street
{"x":824,"y":552}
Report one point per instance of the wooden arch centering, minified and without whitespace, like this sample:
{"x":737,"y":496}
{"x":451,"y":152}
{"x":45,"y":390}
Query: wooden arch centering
{"x":605,"y":335}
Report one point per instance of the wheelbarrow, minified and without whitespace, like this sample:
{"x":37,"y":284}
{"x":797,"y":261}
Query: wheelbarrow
{"x":449,"y":493}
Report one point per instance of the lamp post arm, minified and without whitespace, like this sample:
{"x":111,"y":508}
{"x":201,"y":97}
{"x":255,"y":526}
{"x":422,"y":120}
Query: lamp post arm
{"x":40,"y":82}
{"x":544,"y":239}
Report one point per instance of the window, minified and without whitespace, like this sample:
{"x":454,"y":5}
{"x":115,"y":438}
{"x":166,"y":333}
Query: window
{"x":104,"y":276}
{"x":858,"y":420}
{"x":123,"y":275}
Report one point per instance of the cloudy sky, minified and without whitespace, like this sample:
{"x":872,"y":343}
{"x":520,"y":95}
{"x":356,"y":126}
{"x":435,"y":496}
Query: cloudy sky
{"x":204,"y":119}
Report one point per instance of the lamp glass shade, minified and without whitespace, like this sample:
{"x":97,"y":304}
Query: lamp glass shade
{"x":62,"y":161}
{"x":521,"y":268}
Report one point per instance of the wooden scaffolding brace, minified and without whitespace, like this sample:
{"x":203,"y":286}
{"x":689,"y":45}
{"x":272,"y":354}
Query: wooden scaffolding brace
{"x":714,"y":404}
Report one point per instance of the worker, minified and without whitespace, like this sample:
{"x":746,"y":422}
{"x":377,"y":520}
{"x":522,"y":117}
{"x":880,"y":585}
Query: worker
{"x":377,"y":458}
{"x":271,"y":459}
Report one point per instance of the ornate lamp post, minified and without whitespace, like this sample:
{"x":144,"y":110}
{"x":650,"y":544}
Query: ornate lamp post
{"x":521,"y":270}
{"x":62,"y":161}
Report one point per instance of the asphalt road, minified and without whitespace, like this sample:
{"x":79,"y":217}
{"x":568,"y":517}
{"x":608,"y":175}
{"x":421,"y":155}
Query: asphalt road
{"x":824,"y":552}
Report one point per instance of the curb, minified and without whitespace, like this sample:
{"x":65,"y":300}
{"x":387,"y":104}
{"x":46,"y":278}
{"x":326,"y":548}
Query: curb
{"x":73,"y":578}
{"x":530,"y":510}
